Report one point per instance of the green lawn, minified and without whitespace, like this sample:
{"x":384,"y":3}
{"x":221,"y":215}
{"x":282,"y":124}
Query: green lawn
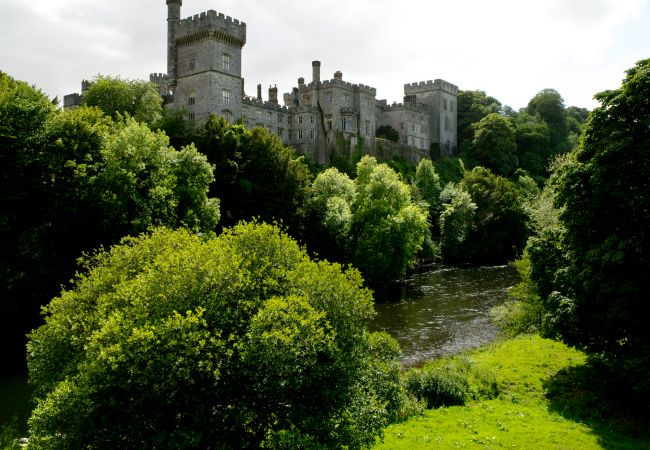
{"x":549,"y":400}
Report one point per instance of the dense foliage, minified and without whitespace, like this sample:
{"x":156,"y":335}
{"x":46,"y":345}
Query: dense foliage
{"x":240,"y":341}
{"x":591,"y":271}
{"x":72,"y":181}
{"x":117,"y":97}
{"x":372,"y":220}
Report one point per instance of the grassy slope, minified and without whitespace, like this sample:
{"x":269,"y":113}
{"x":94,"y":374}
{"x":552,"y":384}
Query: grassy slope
{"x":549,"y":400}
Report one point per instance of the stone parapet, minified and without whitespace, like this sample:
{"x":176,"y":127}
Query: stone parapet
{"x":428,"y":86}
{"x":211,"y":24}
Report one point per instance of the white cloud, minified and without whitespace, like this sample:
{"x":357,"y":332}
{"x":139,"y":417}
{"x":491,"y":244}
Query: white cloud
{"x":509,"y":48}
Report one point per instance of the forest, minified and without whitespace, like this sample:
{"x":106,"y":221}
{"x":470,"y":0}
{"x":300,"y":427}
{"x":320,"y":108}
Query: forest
{"x":172,"y":286}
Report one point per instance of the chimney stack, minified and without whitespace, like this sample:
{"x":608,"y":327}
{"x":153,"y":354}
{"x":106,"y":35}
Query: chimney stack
{"x":315,"y":65}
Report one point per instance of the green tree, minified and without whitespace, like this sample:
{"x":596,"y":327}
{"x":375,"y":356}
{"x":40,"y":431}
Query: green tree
{"x":427,"y":184}
{"x":495,"y":145}
{"x":456,"y":221}
{"x":592,"y":273}
{"x":472,"y":107}
{"x":240,"y":341}
{"x":387,"y":132}
{"x":450,"y":170}
{"x":501,"y":225}
{"x":388,"y":228}
{"x":549,"y":106}
{"x":533,"y":141}
{"x":256,"y":175}
{"x":116,"y":96}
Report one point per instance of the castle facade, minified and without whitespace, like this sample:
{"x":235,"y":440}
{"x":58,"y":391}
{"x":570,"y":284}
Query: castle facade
{"x":204,"y":60}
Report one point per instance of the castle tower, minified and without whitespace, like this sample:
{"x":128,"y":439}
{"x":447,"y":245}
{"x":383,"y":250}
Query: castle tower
{"x":441,"y":96}
{"x":173,"y":17}
{"x":205,"y":64}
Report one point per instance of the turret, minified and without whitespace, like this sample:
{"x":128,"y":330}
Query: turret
{"x":173,"y":17}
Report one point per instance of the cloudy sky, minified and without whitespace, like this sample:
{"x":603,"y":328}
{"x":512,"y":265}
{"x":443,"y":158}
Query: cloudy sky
{"x":509,"y":48}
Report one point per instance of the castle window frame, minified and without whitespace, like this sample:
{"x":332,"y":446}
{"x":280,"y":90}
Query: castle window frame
{"x":311,"y":120}
{"x":191,"y":117}
{"x":447,"y":124}
{"x":444,"y":104}
{"x":300,"y":135}
{"x":226,"y":62}
{"x":227,"y":115}
{"x":191,"y":63}
{"x":312,"y":134}
{"x":451,"y":106}
{"x":191,"y":98}
{"x":226,"y":97}
{"x":328,"y":96}
{"x":280,"y":132}
{"x":299,"y":120}
{"x":279,"y":118}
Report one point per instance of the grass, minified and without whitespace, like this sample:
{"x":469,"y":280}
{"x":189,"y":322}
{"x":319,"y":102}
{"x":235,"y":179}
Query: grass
{"x":550,"y":399}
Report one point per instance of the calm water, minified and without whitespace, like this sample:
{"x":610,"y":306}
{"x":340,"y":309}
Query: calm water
{"x":444,"y":310}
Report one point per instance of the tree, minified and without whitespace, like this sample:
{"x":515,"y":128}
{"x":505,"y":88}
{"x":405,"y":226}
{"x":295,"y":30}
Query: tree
{"x":76,"y":180}
{"x":549,"y":106}
{"x":495,"y":145}
{"x":387,"y":132}
{"x":592,"y":272}
{"x":427,"y":184}
{"x":456,"y":221}
{"x":533,"y":141}
{"x":388,"y":229}
{"x":501,"y":225}
{"x":472,"y":107}
{"x":116,"y":96}
{"x":256,"y":175}
{"x":240,"y":341}
{"x":450,"y":170}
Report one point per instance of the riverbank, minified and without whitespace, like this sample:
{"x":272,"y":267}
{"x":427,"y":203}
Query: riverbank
{"x":549,"y":399}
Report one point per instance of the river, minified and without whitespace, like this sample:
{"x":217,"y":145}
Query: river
{"x":444,"y":310}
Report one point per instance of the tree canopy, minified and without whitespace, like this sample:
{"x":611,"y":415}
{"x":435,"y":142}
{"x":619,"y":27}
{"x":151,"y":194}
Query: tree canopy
{"x":592,"y":270}
{"x":116,"y":96}
{"x":495,"y":145}
{"x":240,"y":341}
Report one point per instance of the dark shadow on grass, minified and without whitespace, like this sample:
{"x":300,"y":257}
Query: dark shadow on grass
{"x":591,"y":395}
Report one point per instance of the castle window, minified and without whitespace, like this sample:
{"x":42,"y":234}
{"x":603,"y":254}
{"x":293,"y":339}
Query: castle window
{"x":226,"y":62}
{"x":401,"y":125}
{"x":447,"y":124}
{"x":312,"y":134}
{"x":444,"y":104}
{"x":451,"y":106}
{"x":299,"y":120}
{"x":279,"y":118}
{"x":280,"y":132}
{"x":289,"y":134}
{"x":289,"y":120}
{"x":191,"y":64}
{"x":328,"y":96}
{"x":311,"y":120}
{"x":190,"y":117}
{"x":226,"y":97}
{"x":270,"y":116}
{"x":300,"y":135}
{"x":329,"y":124}
{"x":227,"y":115}
{"x":191,"y":98}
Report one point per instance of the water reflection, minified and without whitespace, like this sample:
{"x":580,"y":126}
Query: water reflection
{"x":444,"y":310}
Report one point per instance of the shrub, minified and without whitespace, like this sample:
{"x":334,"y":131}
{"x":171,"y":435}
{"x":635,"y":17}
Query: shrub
{"x":176,"y":341}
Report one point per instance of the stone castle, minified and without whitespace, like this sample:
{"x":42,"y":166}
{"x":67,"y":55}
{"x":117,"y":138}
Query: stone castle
{"x":204,"y":59}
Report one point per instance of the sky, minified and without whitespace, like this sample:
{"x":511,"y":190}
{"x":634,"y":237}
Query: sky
{"x":510,"y":49}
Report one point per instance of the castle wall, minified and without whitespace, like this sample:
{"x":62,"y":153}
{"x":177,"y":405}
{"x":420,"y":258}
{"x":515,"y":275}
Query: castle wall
{"x":412,"y":121}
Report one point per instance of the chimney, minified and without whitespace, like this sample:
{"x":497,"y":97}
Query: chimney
{"x":273,"y":94}
{"x":301,"y":82}
{"x":259,"y":92}
{"x":338,"y":75}
{"x":315,"y":65}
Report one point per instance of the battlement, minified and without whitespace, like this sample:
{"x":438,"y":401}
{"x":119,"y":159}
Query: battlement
{"x":415,"y":107}
{"x":429,"y":86}
{"x":346,"y":85}
{"x":252,"y":101}
{"x":71,"y":101}
{"x":211,"y":24}
{"x":158,"y":78}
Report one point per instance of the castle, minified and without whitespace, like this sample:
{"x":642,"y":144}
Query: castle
{"x":204,"y":56}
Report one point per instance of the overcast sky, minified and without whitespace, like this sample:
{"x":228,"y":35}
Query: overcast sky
{"x":509,"y":48}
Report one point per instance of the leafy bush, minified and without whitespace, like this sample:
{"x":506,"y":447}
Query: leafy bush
{"x":451,"y":381}
{"x":175,"y":341}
